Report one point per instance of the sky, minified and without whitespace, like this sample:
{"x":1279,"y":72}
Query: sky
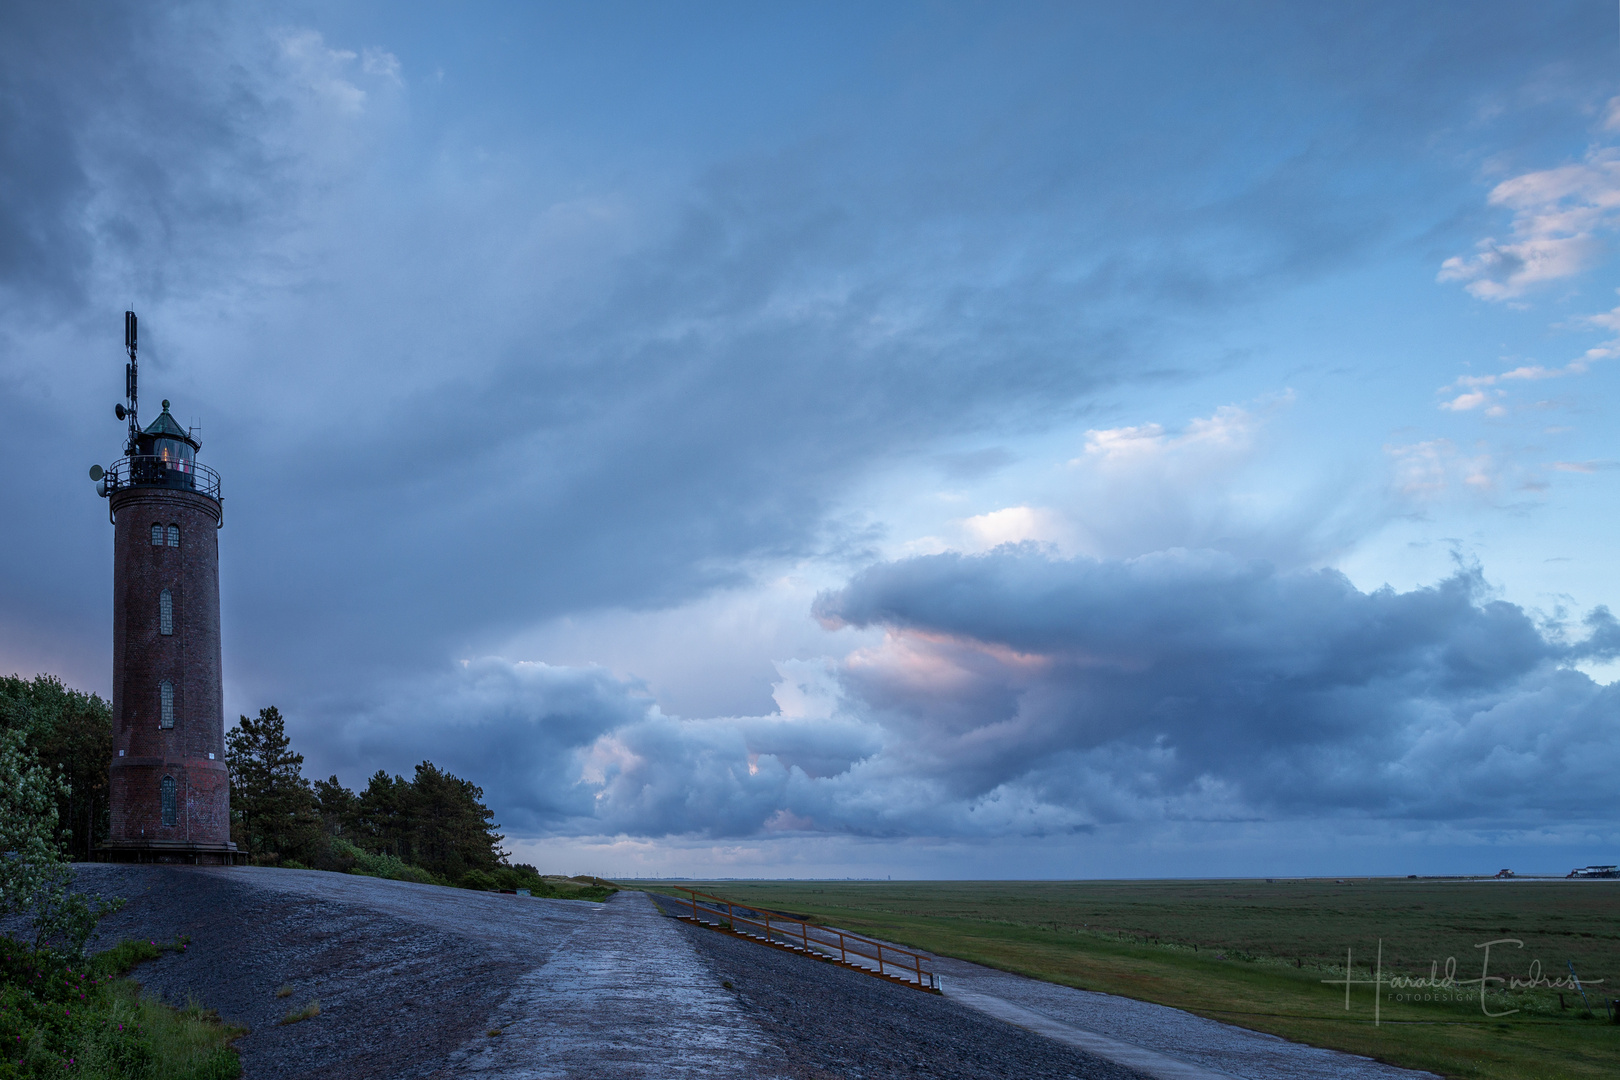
{"x":916,"y":440}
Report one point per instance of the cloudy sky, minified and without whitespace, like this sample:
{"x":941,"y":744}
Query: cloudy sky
{"x":930,"y":440}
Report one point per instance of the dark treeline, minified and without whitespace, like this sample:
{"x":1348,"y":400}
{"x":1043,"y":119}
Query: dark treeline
{"x":431,"y":828}
{"x":71,"y":733}
{"x":434,"y":821}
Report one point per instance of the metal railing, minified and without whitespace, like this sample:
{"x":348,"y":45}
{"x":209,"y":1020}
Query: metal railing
{"x":148,"y":470}
{"x":798,"y":935}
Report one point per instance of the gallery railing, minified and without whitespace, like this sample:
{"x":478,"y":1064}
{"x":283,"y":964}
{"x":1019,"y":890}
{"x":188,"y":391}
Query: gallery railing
{"x":145,"y":470}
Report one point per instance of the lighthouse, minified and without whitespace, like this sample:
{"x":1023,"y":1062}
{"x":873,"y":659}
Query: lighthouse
{"x":170,"y":791}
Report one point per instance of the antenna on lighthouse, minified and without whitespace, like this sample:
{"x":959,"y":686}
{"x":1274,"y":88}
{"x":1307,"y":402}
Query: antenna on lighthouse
{"x":131,"y":374}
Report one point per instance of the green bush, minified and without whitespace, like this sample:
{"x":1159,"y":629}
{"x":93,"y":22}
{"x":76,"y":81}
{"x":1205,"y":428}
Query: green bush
{"x":60,"y":1015}
{"x":379,"y":865}
{"x":479,"y":880}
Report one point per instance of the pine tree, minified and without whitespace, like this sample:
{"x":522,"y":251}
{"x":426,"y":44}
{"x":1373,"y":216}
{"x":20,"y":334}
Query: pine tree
{"x":339,"y":807}
{"x":384,"y":812}
{"x":271,"y":802}
{"x":451,"y":826}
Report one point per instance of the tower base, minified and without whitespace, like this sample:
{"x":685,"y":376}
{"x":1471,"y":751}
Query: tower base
{"x":176,"y":852}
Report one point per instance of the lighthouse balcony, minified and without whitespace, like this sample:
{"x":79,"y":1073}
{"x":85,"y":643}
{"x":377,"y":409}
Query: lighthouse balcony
{"x":160,"y":471}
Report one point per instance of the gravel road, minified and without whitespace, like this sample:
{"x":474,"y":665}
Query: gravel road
{"x":411,"y":978}
{"x":827,"y":1021}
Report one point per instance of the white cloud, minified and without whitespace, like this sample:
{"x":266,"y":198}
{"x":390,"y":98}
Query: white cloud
{"x":322,"y":70}
{"x":1611,"y":115}
{"x":1230,"y":428}
{"x":1013,"y":525}
{"x":1463,"y":402}
{"x":1484,"y":389}
{"x":1558,"y":217}
{"x":379,"y":62}
{"x":1433,"y":468}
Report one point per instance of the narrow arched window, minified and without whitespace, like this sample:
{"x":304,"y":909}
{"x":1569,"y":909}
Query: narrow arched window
{"x":166,"y":792}
{"x":174,"y":536}
{"x":166,"y":694}
{"x":165,"y":612}
{"x":157,"y":534}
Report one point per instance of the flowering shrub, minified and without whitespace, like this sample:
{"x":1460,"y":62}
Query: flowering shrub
{"x":55,"y":1016}
{"x":64,"y":1017}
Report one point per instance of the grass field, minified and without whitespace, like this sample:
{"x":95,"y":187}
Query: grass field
{"x":1257,"y":953}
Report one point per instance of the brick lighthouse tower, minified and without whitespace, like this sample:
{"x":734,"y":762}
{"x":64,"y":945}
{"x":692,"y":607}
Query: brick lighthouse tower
{"x":170,"y":791}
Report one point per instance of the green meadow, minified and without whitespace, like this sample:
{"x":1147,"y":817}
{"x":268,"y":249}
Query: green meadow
{"x":1272,"y":955}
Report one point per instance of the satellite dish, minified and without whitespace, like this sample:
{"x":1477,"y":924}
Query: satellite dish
{"x":97,"y":472}
{"x":119,"y":411}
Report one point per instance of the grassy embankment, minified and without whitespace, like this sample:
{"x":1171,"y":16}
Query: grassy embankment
{"x":1257,"y":954}
{"x":353,"y":860}
{"x":85,"y":1020}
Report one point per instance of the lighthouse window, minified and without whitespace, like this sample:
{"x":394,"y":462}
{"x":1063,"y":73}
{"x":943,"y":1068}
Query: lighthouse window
{"x":166,"y":792}
{"x":166,"y":692}
{"x":174,"y":536}
{"x":165,"y":612}
{"x":174,"y":454}
{"x":157,"y":535}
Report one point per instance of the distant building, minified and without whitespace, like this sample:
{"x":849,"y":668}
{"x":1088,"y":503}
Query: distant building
{"x":1504,"y":873}
{"x":1596,"y":872}
{"x":170,"y":791}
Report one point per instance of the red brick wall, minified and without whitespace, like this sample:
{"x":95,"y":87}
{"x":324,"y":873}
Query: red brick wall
{"x":143,"y":752}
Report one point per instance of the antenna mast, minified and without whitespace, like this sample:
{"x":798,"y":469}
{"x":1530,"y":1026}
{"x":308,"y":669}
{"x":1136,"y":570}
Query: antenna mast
{"x":131,"y":372}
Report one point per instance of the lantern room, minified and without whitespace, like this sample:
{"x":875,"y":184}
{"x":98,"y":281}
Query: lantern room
{"x":171,"y":448}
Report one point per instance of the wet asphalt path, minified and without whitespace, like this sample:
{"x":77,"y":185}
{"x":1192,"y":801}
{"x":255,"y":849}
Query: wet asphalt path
{"x":624,"y":996}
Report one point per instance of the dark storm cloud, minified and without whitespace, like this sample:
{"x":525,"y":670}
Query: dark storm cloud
{"x":1016,"y":693}
{"x":43,"y":247}
{"x":562,"y":750}
{"x":1221,"y":681}
{"x":521,"y":730}
{"x":137,"y":146}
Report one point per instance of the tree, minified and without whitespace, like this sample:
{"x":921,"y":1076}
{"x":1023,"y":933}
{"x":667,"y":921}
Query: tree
{"x":339,"y":807}
{"x":435,"y":821}
{"x":384,"y":815}
{"x":35,"y":876}
{"x":29,"y":852}
{"x":451,"y":828}
{"x":270,"y":799}
{"x":70,"y":734}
